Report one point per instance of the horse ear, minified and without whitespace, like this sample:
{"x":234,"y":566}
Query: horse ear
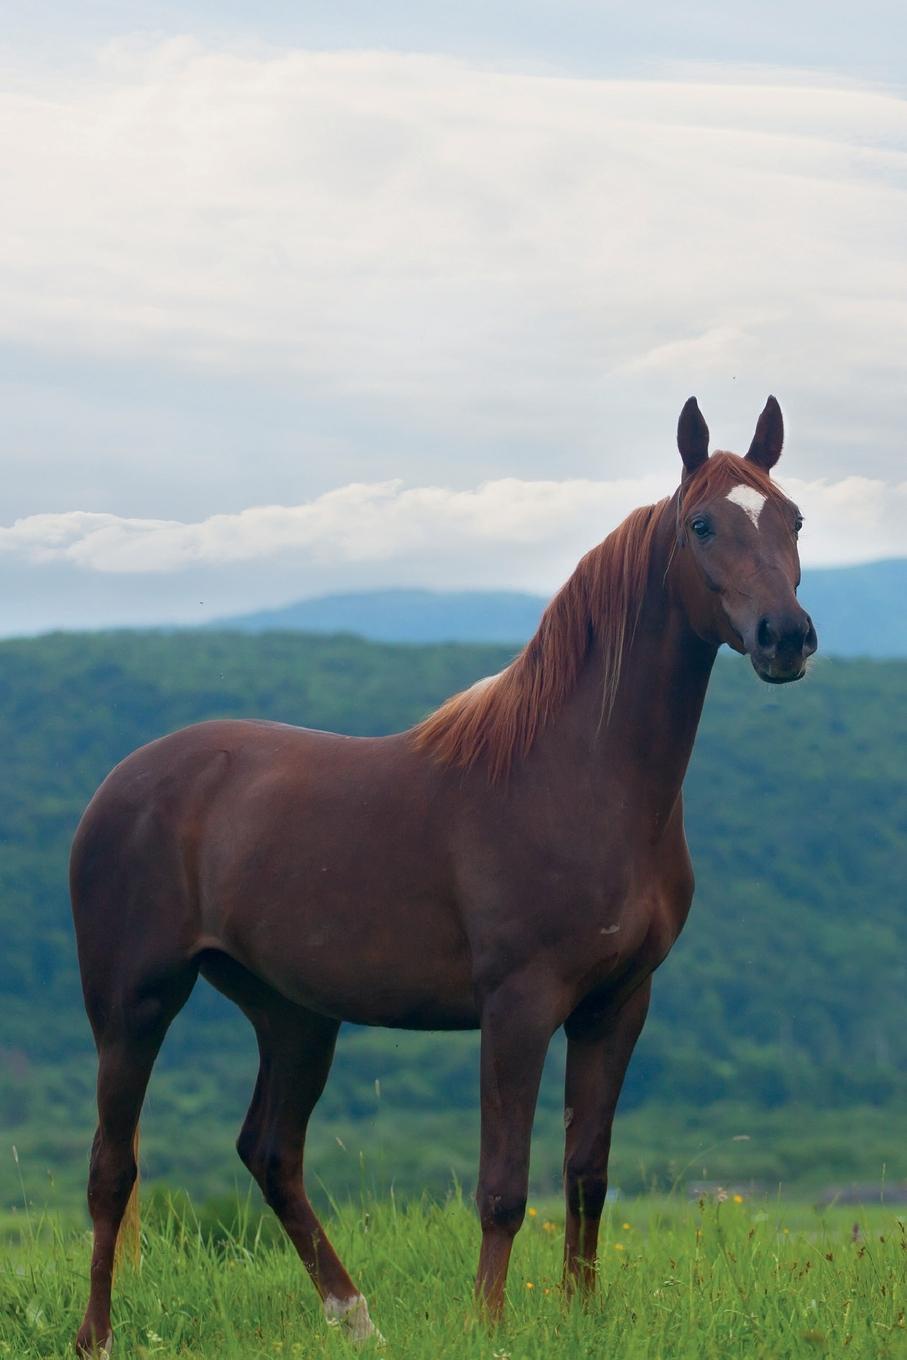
{"x":692,"y":436}
{"x":768,"y":440}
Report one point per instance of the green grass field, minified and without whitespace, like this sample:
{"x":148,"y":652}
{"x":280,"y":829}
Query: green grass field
{"x":766,"y":1279}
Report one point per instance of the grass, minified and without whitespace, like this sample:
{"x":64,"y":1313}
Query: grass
{"x":762,"y":1279}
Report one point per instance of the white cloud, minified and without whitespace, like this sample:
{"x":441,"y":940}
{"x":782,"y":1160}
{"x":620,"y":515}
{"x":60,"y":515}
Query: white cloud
{"x":490,"y":254}
{"x":507,"y":531}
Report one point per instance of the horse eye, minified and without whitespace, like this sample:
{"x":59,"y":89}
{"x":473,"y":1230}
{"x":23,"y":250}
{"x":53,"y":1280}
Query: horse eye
{"x":700,"y":528}
{"x":798,"y":524}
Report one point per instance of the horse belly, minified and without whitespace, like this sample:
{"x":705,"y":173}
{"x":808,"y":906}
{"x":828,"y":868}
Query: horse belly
{"x":412,"y":978}
{"x":347,"y":935}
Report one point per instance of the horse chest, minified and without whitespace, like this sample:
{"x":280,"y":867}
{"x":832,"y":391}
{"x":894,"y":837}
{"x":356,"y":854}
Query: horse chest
{"x":616,"y":944}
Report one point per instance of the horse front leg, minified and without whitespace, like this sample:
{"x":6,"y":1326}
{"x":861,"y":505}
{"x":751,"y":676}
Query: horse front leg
{"x":518,"y":1020}
{"x":597,"y":1060}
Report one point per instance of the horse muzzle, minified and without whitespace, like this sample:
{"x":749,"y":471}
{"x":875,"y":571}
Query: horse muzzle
{"x":782,"y":645}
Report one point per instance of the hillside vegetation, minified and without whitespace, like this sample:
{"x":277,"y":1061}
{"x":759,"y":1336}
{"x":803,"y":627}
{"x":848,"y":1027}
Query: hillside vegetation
{"x":779,"y":1015}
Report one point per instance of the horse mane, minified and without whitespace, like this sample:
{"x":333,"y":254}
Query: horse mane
{"x":498,"y":718}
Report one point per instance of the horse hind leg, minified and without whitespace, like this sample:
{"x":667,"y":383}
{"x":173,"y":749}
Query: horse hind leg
{"x":128,"y":1040}
{"x":296,"y":1048}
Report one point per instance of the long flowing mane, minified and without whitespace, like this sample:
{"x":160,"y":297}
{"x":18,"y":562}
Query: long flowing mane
{"x":498,"y":719}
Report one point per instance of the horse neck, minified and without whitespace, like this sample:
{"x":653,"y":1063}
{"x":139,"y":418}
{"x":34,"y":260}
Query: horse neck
{"x":646,"y":742}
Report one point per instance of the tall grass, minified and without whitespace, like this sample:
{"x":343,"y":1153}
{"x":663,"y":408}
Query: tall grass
{"x":677,"y":1280}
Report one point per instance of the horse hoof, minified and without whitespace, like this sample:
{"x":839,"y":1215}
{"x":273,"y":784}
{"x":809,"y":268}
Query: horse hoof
{"x":91,"y":1350}
{"x":352,"y":1316}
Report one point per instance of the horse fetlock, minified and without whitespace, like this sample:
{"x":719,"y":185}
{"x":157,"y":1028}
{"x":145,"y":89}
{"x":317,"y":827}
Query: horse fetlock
{"x":352,"y":1316}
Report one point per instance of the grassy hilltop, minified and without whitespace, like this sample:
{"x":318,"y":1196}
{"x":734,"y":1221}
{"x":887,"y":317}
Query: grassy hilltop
{"x":779,"y":1015}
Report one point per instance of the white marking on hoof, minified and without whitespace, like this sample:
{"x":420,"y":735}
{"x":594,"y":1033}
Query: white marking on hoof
{"x":750,"y":501}
{"x":353,"y":1316}
{"x":105,"y":1352}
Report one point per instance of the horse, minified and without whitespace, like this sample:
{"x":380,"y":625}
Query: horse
{"x":515,"y":863}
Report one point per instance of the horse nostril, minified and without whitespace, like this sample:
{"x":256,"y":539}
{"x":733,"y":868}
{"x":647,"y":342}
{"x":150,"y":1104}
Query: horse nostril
{"x":810,"y":642}
{"x":765,"y":634}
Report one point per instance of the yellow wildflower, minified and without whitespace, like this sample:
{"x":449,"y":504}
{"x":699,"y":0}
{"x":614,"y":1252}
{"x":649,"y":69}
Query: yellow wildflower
{"x":549,"y":1226}
{"x":618,"y":1246}
{"x":626,"y":1227}
{"x":533,"y":1213}
{"x":738,"y":1199}
{"x":530,"y":1285}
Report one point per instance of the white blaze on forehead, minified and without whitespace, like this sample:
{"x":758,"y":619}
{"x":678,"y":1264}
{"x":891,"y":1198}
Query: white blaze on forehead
{"x":750,"y":501}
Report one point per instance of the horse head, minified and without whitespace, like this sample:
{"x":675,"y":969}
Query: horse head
{"x":736,"y":565}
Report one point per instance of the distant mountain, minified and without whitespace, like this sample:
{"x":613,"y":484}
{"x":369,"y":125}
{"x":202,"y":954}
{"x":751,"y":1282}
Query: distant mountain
{"x":405,"y":616}
{"x":859,"y":611}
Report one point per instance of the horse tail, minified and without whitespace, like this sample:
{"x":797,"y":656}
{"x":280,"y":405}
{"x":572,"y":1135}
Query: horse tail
{"x":129,"y":1242}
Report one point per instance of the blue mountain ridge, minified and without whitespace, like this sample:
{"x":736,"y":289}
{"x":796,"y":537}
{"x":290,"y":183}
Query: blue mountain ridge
{"x":858,"y":611}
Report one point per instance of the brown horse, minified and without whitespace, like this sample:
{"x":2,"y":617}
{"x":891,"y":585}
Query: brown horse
{"x":515,"y":863}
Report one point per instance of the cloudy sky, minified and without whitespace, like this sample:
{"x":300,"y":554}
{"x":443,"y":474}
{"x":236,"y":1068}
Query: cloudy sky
{"x":378,"y":295}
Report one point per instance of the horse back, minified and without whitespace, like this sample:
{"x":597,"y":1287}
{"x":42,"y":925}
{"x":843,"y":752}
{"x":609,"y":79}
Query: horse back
{"x":316,"y":861}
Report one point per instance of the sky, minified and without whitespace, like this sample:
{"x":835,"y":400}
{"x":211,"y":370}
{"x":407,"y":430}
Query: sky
{"x":326,"y":297}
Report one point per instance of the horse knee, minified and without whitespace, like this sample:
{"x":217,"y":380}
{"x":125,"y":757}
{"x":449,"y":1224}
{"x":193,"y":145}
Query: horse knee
{"x":501,"y":1207}
{"x":586,"y":1188}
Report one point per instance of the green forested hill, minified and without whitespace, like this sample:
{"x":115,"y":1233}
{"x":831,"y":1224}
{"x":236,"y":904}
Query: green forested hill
{"x":781,"y":1013}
